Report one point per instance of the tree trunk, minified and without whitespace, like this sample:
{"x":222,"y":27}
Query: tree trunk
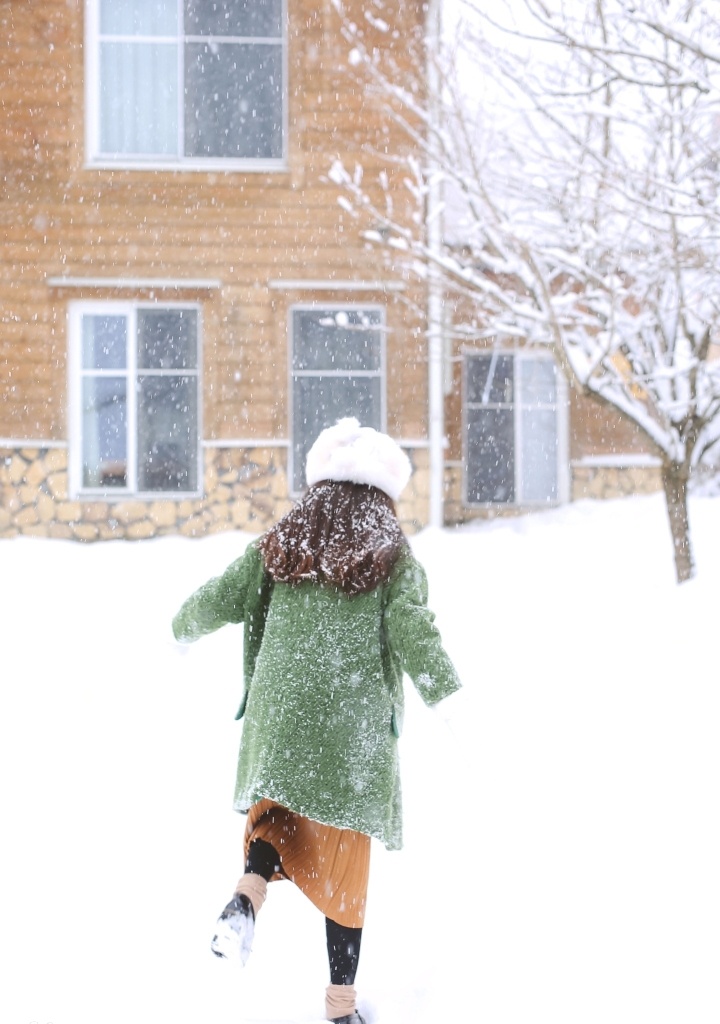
{"x":675,"y":485}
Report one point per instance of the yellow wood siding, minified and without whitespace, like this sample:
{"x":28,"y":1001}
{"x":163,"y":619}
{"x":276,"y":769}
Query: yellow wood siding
{"x":60,"y":217}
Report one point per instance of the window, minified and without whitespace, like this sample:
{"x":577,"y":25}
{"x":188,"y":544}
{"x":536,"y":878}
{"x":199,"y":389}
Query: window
{"x":134,"y":399}
{"x":186,"y":82}
{"x":512,"y":435}
{"x":338,"y":358}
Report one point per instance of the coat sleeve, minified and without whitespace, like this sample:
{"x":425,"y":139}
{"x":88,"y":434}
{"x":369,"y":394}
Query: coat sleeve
{"x":222,"y":600}
{"x":411,"y":634}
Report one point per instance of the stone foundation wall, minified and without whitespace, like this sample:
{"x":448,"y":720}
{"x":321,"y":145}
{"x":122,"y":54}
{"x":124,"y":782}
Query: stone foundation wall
{"x":245,"y":489}
{"x":602,"y":481}
{"x":586,"y":481}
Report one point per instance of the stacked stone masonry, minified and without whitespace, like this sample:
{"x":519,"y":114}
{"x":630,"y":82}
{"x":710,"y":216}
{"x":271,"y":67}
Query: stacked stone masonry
{"x":614,"y":481}
{"x":244,"y":489}
{"x":590,"y":481}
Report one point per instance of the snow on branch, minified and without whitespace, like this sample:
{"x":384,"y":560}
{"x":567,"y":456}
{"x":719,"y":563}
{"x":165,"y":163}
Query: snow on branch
{"x":579,"y":197}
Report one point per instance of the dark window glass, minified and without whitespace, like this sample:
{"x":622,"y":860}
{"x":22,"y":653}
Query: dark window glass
{"x":490,"y":456}
{"x":167,"y":434}
{"x":337,"y":340}
{"x":233,"y":18}
{"x":489,"y":379}
{"x":167,"y":339}
{"x":233,"y":100}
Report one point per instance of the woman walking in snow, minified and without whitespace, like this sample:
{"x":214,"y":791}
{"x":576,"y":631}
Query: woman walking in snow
{"x":334,"y":607}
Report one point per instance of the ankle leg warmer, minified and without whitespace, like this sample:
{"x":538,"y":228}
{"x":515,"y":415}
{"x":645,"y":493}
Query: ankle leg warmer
{"x":339,"y":1001}
{"x":254,"y":887}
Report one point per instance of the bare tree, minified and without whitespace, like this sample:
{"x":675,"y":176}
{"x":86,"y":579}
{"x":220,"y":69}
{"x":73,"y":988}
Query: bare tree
{"x":578,"y":147}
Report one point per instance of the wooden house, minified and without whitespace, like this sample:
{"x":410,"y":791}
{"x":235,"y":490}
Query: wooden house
{"x":183,"y":302}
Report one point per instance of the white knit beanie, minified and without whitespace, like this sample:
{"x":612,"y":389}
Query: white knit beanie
{"x":359,"y":455}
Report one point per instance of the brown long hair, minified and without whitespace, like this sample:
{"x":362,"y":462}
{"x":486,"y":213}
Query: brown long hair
{"x":343,"y":534}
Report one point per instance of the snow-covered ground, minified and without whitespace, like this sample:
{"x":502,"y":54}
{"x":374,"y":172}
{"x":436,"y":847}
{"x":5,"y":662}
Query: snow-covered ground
{"x":562,"y":858}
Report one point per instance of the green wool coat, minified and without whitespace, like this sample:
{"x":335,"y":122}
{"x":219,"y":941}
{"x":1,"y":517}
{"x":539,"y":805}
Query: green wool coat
{"x":323,"y":697}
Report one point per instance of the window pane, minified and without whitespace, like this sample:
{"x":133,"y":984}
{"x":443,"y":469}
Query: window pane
{"x":537,"y":381}
{"x":167,"y":339}
{"x":233,"y":18}
{"x":337,"y":339}
{"x":104,"y":342}
{"x":318,"y":402}
{"x":139,"y":17}
{"x":233,"y":100}
{"x":167,"y":433}
{"x":104,"y":432}
{"x":138,"y":98}
{"x":490,"y":456}
{"x":489,"y":379}
{"x":539,"y":455}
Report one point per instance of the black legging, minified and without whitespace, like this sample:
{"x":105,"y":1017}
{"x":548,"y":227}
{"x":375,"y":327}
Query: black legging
{"x":343,"y":946}
{"x":343,"y":943}
{"x":263,"y":860}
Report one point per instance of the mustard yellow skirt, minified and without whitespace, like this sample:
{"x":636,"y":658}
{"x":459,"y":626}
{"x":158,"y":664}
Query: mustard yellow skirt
{"x":330,"y":865}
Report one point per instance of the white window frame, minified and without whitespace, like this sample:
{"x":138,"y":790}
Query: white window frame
{"x":96,"y":307}
{"x":561,"y":420}
{"x":95,"y":158}
{"x":381,"y":374}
